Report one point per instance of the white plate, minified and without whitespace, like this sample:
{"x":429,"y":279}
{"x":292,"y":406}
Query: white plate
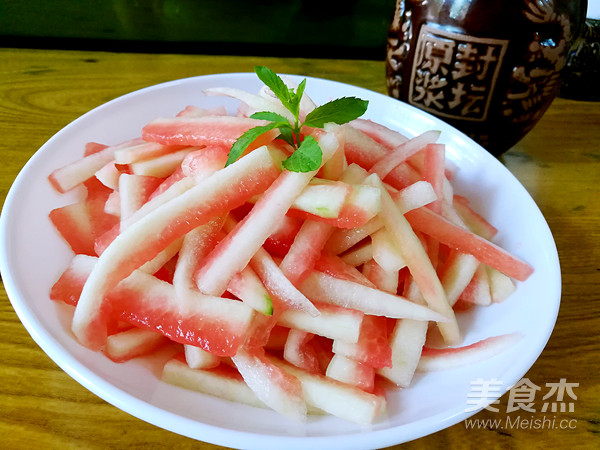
{"x":33,"y":256}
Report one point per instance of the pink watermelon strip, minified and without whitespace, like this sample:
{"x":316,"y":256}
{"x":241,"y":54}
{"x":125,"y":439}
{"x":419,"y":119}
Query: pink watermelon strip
{"x":418,"y":261}
{"x":348,"y":294}
{"x":373,"y":347}
{"x":278,"y":286}
{"x":305,"y":250}
{"x":168,"y":182}
{"x":97,"y":196}
{"x":361,"y":149}
{"x":299,"y":352}
{"x":380,"y":133}
{"x":75,"y":173}
{"x":143,"y":152}
{"x":280,"y":241}
{"x":145,"y":238}
{"x":74,"y":225}
{"x":208,"y":130}
{"x":366,"y":152}
{"x":477,"y":223}
{"x":402,"y":153}
{"x":350,"y":216}
{"x":436,"y":226}
{"x":129,"y":344}
{"x":434,"y":172}
{"x":161,"y":166}
{"x":217,"y":325}
{"x":277,"y":388}
{"x":196,"y":245}
{"x":450,"y":357}
{"x":134,"y":191}
{"x":177,"y":188}
{"x":335,"y":266}
{"x":93,"y":147}
{"x":204,"y":162}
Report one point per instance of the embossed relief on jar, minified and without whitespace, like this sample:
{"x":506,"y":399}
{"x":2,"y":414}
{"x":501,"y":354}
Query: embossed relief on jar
{"x":398,"y":48}
{"x":536,"y":78}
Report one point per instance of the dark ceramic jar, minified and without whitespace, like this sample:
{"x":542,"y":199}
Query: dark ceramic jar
{"x":490,"y":68}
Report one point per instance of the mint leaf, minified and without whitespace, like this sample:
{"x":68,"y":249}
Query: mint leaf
{"x":285,"y":128}
{"x":276,"y":84}
{"x":340,"y":111}
{"x":287,"y":134}
{"x":242,"y":143}
{"x":307,"y":158}
{"x":268,"y":115}
{"x":297,"y":98}
{"x":300,"y":90}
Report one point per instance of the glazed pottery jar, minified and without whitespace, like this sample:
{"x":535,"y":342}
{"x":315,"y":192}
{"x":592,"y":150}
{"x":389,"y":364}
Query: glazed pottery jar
{"x":490,"y":68}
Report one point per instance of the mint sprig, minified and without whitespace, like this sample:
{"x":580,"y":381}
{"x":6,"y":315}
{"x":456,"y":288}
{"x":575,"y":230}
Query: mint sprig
{"x":307,"y":155}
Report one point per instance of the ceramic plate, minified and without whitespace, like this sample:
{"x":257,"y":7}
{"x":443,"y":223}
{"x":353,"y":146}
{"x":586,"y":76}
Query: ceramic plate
{"x":33,"y":256}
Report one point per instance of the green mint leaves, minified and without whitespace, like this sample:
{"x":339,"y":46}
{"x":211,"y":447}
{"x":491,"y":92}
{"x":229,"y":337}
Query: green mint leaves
{"x":307,"y":155}
{"x":246,"y":139}
{"x":340,"y":111}
{"x":275,"y":83}
{"x":306,"y":158}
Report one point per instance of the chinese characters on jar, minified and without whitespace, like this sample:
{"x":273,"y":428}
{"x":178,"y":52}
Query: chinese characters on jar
{"x":454,"y":75}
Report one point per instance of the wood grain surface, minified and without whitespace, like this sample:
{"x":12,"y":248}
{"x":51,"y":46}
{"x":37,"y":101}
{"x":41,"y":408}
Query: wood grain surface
{"x":558,"y":163}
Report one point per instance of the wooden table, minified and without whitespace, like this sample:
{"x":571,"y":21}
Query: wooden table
{"x":558,"y":163}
